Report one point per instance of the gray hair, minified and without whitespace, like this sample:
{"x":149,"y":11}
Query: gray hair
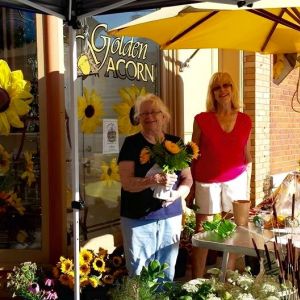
{"x":156,"y":102}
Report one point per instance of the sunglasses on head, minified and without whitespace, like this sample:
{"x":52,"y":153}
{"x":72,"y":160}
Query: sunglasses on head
{"x":217,"y":88}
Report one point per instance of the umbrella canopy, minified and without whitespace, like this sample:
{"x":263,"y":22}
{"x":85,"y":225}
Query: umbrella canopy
{"x":267,"y":27}
{"x":75,"y":9}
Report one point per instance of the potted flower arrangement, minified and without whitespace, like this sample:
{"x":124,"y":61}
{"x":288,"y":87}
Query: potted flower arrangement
{"x":98,"y":273}
{"x":169,"y":157}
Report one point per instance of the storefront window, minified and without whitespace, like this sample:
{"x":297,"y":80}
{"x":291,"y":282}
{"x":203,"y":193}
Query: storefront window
{"x":113,"y":73}
{"x":20,"y":195}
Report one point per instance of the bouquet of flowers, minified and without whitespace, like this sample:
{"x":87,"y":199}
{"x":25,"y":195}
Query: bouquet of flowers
{"x":170,"y":156}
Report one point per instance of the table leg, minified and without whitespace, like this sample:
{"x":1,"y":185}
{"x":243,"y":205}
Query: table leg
{"x":224,"y":265}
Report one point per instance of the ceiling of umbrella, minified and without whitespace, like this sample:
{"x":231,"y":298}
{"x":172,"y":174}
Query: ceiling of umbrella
{"x":267,"y":27}
{"x":74,"y":9}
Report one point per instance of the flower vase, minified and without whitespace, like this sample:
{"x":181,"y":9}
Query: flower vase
{"x":159,"y":191}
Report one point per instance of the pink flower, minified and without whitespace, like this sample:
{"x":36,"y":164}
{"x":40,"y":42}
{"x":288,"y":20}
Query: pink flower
{"x":34,"y":288}
{"x":49,"y":282}
{"x":51,"y":295}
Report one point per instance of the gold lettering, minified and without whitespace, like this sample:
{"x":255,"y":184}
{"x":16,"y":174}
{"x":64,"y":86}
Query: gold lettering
{"x":127,"y":48}
{"x":110,"y":68}
{"x":151,"y":74}
{"x":122,"y":76}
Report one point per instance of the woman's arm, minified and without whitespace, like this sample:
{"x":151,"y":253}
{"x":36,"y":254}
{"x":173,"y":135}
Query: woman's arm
{"x":186,"y":182}
{"x":133,"y":184}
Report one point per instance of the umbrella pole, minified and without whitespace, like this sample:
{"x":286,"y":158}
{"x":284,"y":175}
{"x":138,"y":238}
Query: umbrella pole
{"x":76,"y":205}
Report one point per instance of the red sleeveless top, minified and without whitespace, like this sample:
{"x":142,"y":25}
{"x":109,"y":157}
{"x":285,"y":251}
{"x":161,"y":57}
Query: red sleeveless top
{"x":222,"y":154}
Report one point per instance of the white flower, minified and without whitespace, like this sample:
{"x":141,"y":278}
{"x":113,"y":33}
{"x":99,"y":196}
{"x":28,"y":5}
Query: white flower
{"x":244,"y":297}
{"x":213,"y":297}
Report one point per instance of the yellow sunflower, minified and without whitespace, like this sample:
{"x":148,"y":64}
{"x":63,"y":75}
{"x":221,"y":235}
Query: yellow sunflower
{"x":64,"y":279}
{"x":28,"y":173}
{"x":144,"y":156}
{"x":192,"y":149}
{"x":4,"y":160}
{"x":85,"y":269}
{"x":99,"y":264}
{"x":125,"y":109}
{"x":94,"y":281}
{"x":90,"y":109}
{"x":15,"y":98}
{"x":85,"y":256}
{"x":172,"y":147}
{"x":66,"y":265}
{"x":110,"y":172}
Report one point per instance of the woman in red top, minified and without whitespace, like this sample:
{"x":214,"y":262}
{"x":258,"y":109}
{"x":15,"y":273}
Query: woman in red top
{"x":220,"y":173}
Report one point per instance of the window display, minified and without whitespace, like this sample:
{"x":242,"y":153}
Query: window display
{"x":20,"y":195}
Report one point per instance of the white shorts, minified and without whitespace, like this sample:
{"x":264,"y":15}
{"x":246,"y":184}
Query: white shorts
{"x":213,"y":198}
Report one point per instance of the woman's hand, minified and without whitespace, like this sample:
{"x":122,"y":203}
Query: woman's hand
{"x":166,"y":179}
{"x":190,"y":197}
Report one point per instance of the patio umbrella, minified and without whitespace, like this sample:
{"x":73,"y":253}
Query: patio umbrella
{"x":269,"y":26}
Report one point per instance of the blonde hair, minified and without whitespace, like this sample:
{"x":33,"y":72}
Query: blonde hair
{"x":155,"y":101}
{"x":217,"y":79}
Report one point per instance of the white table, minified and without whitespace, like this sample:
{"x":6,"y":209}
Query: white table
{"x":239,"y":242}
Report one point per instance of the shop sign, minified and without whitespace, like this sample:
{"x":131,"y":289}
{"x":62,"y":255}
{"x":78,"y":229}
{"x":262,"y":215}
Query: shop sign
{"x":121,"y":57}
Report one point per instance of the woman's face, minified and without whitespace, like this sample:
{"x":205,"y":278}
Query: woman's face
{"x":222,"y":92}
{"x":151,"y":118}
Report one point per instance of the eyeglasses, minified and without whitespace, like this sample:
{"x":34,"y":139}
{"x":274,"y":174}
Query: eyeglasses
{"x":217,"y":88}
{"x":151,"y":113}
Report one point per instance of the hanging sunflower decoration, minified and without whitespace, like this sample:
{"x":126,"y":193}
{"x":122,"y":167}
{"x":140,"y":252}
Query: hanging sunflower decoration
{"x":15,"y":98}
{"x":90,"y":110}
{"x":125,"y":109}
{"x":4,"y":161}
{"x":29,"y":172}
{"x":110,"y":172}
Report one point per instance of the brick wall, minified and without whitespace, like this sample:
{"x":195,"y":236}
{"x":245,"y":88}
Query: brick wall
{"x":256,"y":105}
{"x":284,"y":126}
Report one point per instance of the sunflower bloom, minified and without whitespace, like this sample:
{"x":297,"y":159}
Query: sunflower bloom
{"x":192,"y":149}
{"x":85,"y":269}
{"x":125,"y":109}
{"x":90,"y":110}
{"x":99,"y":264}
{"x":102,"y":252}
{"x":117,"y":261}
{"x":66,"y":265}
{"x":84,"y":281}
{"x":15,"y":98}
{"x":28,"y":173}
{"x":4,"y":160}
{"x":108,"y":279}
{"x":110,"y":172}
{"x":64,"y":279}
{"x":55,"y":272}
{"x":172,"y":147}
{"x":144,"y":156}
{"x":85,"y":256}
{"x":94,"y":281}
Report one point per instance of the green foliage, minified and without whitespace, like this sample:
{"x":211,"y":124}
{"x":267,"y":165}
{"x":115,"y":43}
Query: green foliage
{"x":222,"y":227}
{"x":170,"y":161}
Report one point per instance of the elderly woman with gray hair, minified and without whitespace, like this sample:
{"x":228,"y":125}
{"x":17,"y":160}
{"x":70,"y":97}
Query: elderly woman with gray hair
{"x":150,"y":229}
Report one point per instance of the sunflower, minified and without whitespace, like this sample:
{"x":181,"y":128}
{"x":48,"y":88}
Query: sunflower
{"x":125,"y":109}
{"x":28,"y":173}
{"x":90,"y":109}
{"x":11,"y":199}
{"x":94,"y":281}
{"x":55,"y":272}
{"x":117,"y":261}
{"x":85,"y":256}
{"x":4,"y":160}
{"x":15,"y":98}
{"x":192,"y":149}
{"x":99,"y":264}
{"x":64,"y":279}
{"x":84,"y":281}
{"x":102,"y":252}
{"x":85,"y":269}
{"x":108,"y":279}
{"x":172,"y":147}
{"x":66,"y":265}
{"x":144,"y":156}
{"x":110,"y":172}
